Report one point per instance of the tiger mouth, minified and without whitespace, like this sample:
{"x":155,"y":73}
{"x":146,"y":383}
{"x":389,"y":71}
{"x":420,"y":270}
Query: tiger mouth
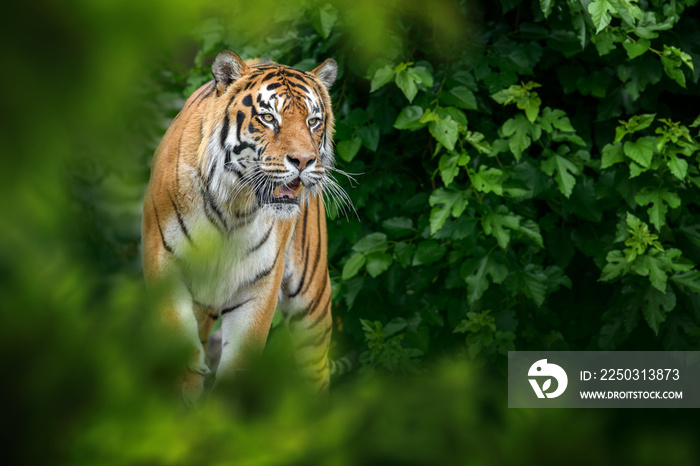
{"x":287,"y":193}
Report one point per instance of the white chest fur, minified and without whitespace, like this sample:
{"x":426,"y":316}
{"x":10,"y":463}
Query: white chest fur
{"x":218,"y":266}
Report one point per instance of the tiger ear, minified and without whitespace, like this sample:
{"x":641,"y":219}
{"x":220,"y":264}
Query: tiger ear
{"x":326,"y":72}
{"x":227,"y":68}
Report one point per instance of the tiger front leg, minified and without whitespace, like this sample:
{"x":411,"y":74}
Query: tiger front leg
{"x":177,"y":313}
{"x":244,"y":329}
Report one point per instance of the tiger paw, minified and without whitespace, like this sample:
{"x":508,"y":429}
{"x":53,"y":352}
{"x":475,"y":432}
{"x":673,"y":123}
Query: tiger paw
{"x":193,"y":384}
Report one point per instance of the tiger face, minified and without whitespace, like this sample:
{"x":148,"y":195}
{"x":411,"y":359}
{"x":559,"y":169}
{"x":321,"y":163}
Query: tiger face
{"x":275,"y":136}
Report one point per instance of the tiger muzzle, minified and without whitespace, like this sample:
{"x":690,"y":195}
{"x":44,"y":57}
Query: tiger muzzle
{"x":300,"y":162}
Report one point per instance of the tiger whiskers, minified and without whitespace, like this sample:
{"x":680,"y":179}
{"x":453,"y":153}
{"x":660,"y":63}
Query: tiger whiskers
{"x":336,"y":195}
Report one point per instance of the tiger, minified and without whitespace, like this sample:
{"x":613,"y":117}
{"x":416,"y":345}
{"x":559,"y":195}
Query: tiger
{"x":234,"y":222}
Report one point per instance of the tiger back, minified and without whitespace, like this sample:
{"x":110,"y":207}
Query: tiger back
{"x":233,"y":218}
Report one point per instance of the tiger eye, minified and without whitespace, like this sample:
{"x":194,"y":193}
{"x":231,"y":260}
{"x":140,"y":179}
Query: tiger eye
{"x":268,"y":117}
{"x":313,"y":121}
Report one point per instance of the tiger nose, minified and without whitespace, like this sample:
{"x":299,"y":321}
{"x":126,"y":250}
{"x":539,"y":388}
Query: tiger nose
{"x":300,"y":161}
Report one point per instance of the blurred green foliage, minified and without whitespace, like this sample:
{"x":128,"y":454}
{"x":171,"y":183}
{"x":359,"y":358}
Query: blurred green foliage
{"x":527,"y":176}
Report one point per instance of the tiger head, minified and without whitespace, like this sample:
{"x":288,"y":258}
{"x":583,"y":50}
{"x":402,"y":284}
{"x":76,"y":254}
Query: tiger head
{"x":270,"y":138}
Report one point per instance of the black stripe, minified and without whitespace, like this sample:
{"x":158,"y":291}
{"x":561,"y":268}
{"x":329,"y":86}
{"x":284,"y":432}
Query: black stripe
{"x":208,"y":206}
{"x":229,"y":165}
{"x":162,"y":236}
{"x":317,"y":360}
{"x":243,"y":145}
{"x":247,"y":101}
{"x":303,"y":255}
{"x":318,"y":247}
{"x":299,"y":315}
{"x":263,"y":241}
{"x":240,"y":118}
{"x":233,"y":308}
{"x":269,"y":76}
{"x":212,"y":220}
{"x":224,"y":131}
{"x":297,"y":85}
{"x":314,"y":304}
{"x":180,"y":221}
{"x":315,"y":341}
{"x":322,"y":315}
{"x":201,"y":95}
{"x":266,"y":272}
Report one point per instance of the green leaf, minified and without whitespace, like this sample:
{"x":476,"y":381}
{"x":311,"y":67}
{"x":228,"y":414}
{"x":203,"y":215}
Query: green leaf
{"x":633,"y":125}
{"x":600,"y":13}
{"x":452,"y":112}
{"x":656,"y":305}
{"x":476,"y":274}
{"x":564,"y":172}
{"x":406,"y":83}
{"x":555,"y":119}
{"x":546,"y":7}
{"x":398,"y":226}
{"x":497,"y":223}
{"x":325,"y":20}
{"x":395,"y":326}
{"x":530,"y":229}
{"x":677,"y":166}
{"x":428,"y":252}
{"x":641,"y":151}
{"x":369,"y":136}
{"x":653,"y":265}
{"x":612,"y":154}
{"x":382,"y":76}
{"x":658,"y":198}
{"x":448,"y":167}
{"x":487,"y":180}
{"x":409,"y":118}
{"x":673,"y":71}
{"x":520,"y":133}
{"x":372,"y":242}
{"x":445,"y":131}
{"x":353,"y":265}
{"x":377,"y":263}
{"x":404,"y":253}
{"x":688,"y":281}
{"x":422,"y":75}
{"x":535,"y":284}
{"x":523,"y":96}
{"x":605,"y":41}
{"x":459,"y":96}
{"x":616,"y":265}
{"x":531,"y":107}
{"x":348,"y":149}
{"x":446,"y":202}
{"x":476,"y":139}
{"x":635,"y":49}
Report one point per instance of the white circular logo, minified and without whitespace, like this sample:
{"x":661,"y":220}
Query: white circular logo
{"x":543,"y":369}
